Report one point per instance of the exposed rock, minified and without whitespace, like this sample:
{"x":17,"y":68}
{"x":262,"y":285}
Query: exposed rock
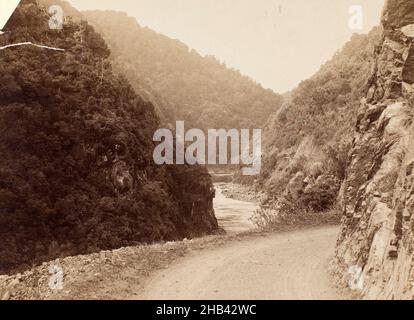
{"x":122,"y":177}
{"x":377,"y":202}
{"x":408,"y":90}
{"x":6,"y":296}
{"x":408,"y":69}
{"x":398,"y":13}
{"x":408,"y":30}
{"x":241,"y":192}
{"x":296,"y":185}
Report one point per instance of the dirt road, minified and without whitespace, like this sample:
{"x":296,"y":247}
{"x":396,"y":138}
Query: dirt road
{"x":284,"y":265}
{"x":290,"y":265}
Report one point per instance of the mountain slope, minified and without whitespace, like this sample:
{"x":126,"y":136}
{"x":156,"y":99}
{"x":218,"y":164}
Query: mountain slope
{"x":184,"y":85}
{"x":76,"y":172}
{"x":307,"y":141}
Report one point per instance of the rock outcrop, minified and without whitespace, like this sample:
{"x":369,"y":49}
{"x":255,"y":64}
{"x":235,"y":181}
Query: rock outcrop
{"x":377,"y":239}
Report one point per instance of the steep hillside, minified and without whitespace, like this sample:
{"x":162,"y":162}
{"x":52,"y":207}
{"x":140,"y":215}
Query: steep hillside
{"x":76,"y":171}
{"x":183,"y":84}
{"x":378,"y":198}
{"x":307,"y":141}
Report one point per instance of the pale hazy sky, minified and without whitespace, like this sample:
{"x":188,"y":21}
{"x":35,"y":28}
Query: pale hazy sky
{"x":278,"y":43}
{"x":7,"y":7}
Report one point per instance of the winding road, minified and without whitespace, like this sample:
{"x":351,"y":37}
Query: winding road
{"x":290,"y":265}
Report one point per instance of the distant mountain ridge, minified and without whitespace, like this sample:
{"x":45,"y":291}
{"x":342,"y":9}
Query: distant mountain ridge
{"x":180,"y":82}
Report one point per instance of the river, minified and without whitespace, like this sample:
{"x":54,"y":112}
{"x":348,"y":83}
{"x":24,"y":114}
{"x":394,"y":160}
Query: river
{"x":233,"y":215}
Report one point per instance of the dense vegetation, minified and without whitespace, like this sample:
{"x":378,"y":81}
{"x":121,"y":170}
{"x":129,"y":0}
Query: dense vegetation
{"x":308,"y":139}
{"x":184,"y":85}
{"x":76,"y":172}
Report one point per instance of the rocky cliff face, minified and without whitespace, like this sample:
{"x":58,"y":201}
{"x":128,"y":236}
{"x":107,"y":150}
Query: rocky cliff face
{"x":378,"y":193}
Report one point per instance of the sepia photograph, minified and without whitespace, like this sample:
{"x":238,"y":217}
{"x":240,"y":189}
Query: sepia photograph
{"x":201,"y":157}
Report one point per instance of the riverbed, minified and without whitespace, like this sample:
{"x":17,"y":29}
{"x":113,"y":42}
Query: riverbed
{"x":233,"y":215}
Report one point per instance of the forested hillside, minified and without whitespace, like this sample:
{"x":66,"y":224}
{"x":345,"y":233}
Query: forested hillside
{"x":307,"y":141}
{"x":76,"y":169}
{"x":181,"y":83}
